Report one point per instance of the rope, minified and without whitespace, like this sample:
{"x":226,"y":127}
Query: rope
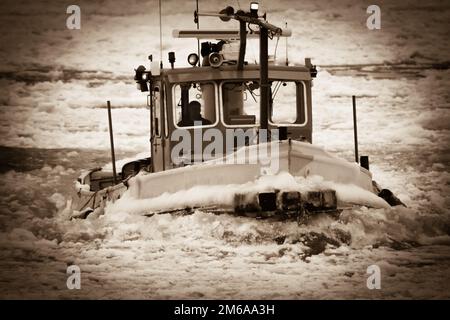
{"x":89,"y":200}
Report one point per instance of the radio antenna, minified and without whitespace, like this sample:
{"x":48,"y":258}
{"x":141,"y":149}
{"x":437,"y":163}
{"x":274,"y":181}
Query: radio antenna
{"x":160,"y":37}
{"x":197,"y":20}
{"x":287,"y":59}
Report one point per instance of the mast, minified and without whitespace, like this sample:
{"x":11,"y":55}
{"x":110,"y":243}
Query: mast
{"x":264,"y":77}
{"x":160,"y":36}
{"x":197,"y":21}
{"x":265,"y":29}
{"x":242,"y":44}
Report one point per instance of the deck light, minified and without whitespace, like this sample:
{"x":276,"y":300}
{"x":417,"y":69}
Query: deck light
{"x":226,"y":13}
{"x":138,"y":73}
{"x":193,"y":59}
{"x":140,"y":80}
{"x":254,"y":6}
{"x":172,"y":58}
{"x":313,"y":71}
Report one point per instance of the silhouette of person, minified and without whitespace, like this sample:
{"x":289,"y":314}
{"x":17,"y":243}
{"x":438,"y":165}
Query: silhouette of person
{"x":194,"y":112}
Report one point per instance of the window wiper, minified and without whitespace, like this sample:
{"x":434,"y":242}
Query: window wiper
{"x":251,"y":92}
{"x":277,"y":87}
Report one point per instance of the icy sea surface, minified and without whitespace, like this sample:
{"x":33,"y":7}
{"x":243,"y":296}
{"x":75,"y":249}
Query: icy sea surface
{"x":54,"y":83}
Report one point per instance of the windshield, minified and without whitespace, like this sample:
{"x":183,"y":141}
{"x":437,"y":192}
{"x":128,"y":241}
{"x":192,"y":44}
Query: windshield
{"x":195,"y":104}
{"x":241,"y":102}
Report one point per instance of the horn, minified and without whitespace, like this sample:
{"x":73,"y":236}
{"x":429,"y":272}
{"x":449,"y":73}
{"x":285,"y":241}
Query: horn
{"x":215,"y":59}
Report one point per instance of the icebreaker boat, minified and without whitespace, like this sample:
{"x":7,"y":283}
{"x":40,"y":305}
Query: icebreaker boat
{"x":227,"y":121}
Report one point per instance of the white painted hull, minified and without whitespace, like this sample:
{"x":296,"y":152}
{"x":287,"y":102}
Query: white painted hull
{"x":298,"y":158}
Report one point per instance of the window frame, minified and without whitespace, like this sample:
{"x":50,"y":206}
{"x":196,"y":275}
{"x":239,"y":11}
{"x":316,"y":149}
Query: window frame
{"x":166,"y":113}
{"x":257,"y":125}
{"x":305,"y":104}
{"x":175,"y":105}
{"x":160,"y":116}
{"x":222,"y":115}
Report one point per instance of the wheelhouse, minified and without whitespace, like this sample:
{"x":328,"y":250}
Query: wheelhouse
{"x":225,"y":94}
{"x":229,"y":100}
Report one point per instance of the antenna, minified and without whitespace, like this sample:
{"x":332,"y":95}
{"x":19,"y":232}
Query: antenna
{"x":160,"y":38}
{"x":287,"y":59}
{"x":196,"y":20}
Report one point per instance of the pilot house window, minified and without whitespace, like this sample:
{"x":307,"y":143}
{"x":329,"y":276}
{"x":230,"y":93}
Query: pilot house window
{"x":287,"y":104}
{"x":195,"y":104}
{"x":241,"y":103}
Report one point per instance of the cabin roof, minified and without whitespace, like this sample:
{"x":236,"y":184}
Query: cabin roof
{"x":224,"y":72}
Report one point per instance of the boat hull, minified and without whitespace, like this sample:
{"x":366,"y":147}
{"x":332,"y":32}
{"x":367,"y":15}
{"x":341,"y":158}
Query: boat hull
{"x":300,"y":159}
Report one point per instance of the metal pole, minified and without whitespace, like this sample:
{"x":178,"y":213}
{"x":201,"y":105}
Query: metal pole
{"x":111,"y":139}
{"x":184,"y":102}
{"x":198,"y":40}
{"x":151,"y":109}
{"x":264,"y":76}
{"x":287,"y":48}
{"x":160,"y":37}
{"x":242,"y":44}
{"x":355,"y":129}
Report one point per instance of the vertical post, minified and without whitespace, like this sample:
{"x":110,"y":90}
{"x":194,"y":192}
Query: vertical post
{"x":355,"y":129}
{"x":160,"y":37}
{"x":364,"y":160}
{"x":111,"y":139}
{"x":287,"y":48}
{"x":198,"y":40}
{"x":242,"y":44}
{"x":264,"y":76}
{"x":184,"y":103}
{"x":151,"y":126}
